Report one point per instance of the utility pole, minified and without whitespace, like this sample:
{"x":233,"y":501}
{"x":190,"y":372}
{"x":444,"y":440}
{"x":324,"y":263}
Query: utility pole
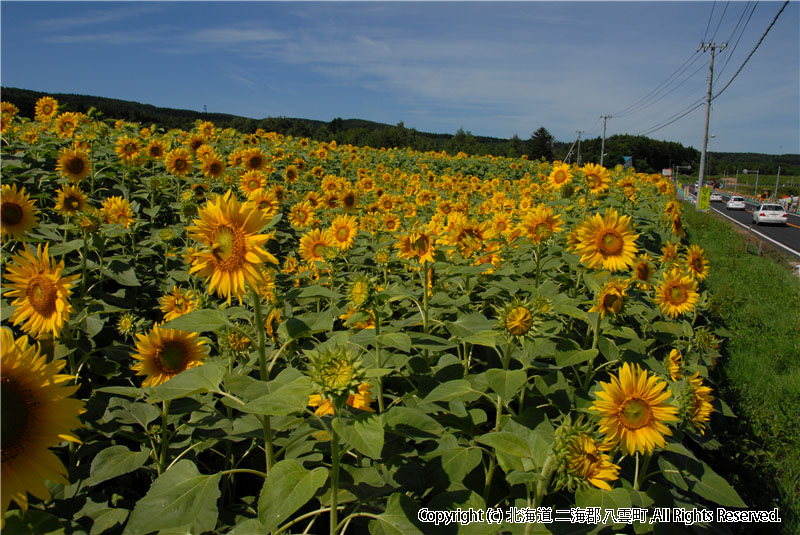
{"x":579,"y":146}
{"x":603,"y":145}
{"x":702,"y":170}
{"x":776,"y":182}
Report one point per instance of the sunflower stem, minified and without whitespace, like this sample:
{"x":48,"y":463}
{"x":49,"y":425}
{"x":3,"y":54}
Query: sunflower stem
{"x":262,"y":365}
{"x":334,"y":476}
{"x":376,"y":314}
{"x":636,"y":474}
{"x":84,"y":254}
{"x":590,"y":366}
{"x":645,"y":463}
{"x":162,"y":461}
{"x":544,"y":480}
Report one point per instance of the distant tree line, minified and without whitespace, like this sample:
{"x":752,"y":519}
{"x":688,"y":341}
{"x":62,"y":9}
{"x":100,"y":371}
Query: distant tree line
{"x":648,"y":155}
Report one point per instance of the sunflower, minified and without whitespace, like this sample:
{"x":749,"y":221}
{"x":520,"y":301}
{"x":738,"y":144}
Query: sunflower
{"x":265,"y":201}
{"x":518,"y":319}
{"x":254,"y":159}
{"x":633,"y":410}
{"x":291,"y":174}
{"x":128,"y":149}
{"x":46,"y":109}
{"x":212,"y":166}
{"x":65,"y":124}
{"x":178,"y":162}
{"x":349,"y":199}
{"x":541,"y":223}
{"x":301,"y":215}
{"x":117,"y":210}
{"x":391,"y":222}
{"x":73,"y":164}
{"x":669,"y":252}
{"x":597,"y":177}
{"x":344,"y":229}
{"x":37,"y":414}
{"x":18,"y":212}
{"x":611,"y":298}
{"x":607,"y":241}
{"x":642,"y":271}
{"x":41,"y":293}
{"x":361,"y":401}
{"x":273,"y":322}
{"x":155,"y":149}
{"x":233,"y":248}
{"x":164,"y":353}
{"x":70,"y":200}
{"x":696,"y":404}
{"x":587,"y":461}
{"x":560,"y":176}
{"x":252,"y":181}
{"x":696,"y":262}
{"x":177,"y":303}
{"x":416,"y":245}
{"x":206,"y":128}
{"x":673,"y":365}
{"x":195,"y":141}
{"x":313,"y":245}
{"x":677,"y":294}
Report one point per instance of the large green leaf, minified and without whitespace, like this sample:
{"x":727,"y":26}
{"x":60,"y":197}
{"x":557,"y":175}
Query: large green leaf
{"x":400,"y":516}
{"x":411,"y":422}
{"x":288,"y":487}
{"x":198,"y":321}
{"x":197,"y":380}
{"x":364,"y":433}
{"x":458,"y":462}
{"x":450,"y":390}
{"x":507,"y":442}
{"x":399,"y":341}
{"x":594,"y":497}
{"x":115,"y":461}
{"x":284,"y":400}
{"x":506,"y":383}
{"x":181,"y":499}
{"x":572,"y":358}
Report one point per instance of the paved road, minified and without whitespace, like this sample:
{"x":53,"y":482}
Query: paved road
{"x":787,"y":238}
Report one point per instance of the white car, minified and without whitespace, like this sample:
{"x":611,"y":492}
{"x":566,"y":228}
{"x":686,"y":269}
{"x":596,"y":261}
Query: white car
{"x":715,"y":197}
{"x":770,"y":213}
{"x":735,"y":203}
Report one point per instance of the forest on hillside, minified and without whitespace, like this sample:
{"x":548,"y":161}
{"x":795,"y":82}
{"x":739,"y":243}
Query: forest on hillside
{"x":646,"y":154}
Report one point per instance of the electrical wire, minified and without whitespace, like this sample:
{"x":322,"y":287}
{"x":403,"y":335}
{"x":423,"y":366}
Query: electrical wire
{"x":741,"y":33}
{"x":771,"y":24}
{"x":708,"y":24}
{"x":644,"y":102}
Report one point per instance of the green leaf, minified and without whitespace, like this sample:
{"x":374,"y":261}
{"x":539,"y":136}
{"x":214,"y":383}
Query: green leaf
{"x":450,"y":390}
{"x":469,"y":325}
{"x":458,"y":462}
{"x":571,"y":358}
{"x":288,"y":487}
{"x":115,"y":461}
{"x":121,"y":272}
{"x":248,"y":527}
{"x":594,"y":497}
{"x":411,"y":422}
{"x":507,"y":442}
{"x":199,"y":321}
{"x":400,"y":516}
{"x":197,"y":380}
{"x":32,"y":521}
{"x":429,"y":341}
{"x":66,"y":247}
{"x":106,"y":519}
{"x":283,"y":400}
{"x":506,"y":383}
{"x":180,"y":499}
{"x":400,"y":341}
{"x":364,"y":433}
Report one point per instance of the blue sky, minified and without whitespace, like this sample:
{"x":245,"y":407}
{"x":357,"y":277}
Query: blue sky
{"x":491,"y":68}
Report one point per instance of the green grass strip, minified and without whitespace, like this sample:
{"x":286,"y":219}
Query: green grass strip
{"x":758,"y":300}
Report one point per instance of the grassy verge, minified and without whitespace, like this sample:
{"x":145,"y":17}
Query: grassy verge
{"x":758,"y":300}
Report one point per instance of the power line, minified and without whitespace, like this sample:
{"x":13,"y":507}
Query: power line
{"x":660,"y":87}
{"x":741,"y":33}
{"x":771,"y":24}
{"x":720,"y":20}
{"x":708,"y":24}
{"x":644,"y":106}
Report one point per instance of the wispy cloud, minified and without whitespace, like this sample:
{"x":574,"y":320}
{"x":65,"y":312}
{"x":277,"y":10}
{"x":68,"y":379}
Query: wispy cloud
{"x":234,"y":35}
{"x":121,"y":37}
{"x":97,"y":16}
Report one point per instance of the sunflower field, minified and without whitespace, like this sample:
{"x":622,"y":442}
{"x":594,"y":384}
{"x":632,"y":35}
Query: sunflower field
{"x":213,"y":332}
